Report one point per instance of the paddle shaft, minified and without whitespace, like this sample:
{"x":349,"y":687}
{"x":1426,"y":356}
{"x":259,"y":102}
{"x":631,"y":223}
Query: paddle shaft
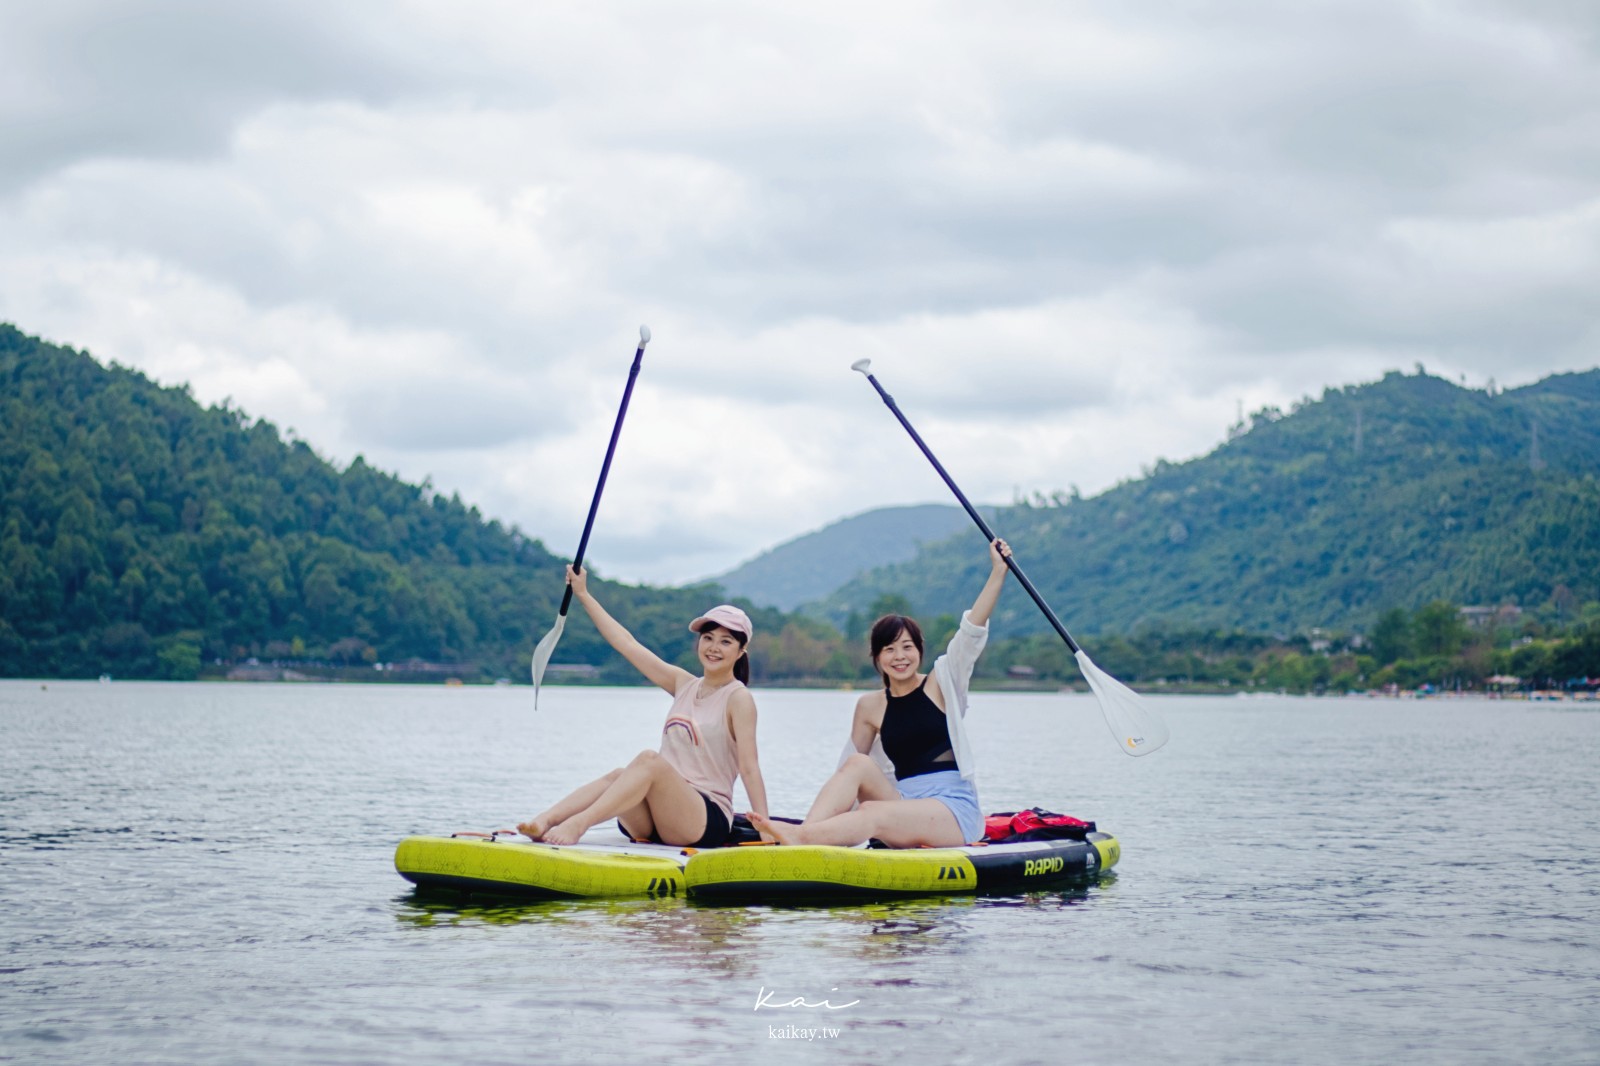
{"x":972,"y":511}
{"x":605,"y":468}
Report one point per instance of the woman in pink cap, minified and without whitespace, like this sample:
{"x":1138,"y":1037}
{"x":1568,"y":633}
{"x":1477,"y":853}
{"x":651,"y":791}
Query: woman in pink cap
{"x":683,"y":793}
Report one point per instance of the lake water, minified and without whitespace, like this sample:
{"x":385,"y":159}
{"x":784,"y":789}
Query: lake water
{"x":203,"y":874}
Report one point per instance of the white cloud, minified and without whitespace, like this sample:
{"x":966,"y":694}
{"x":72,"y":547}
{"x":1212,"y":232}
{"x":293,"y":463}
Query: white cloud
{"x":1073,"y":239}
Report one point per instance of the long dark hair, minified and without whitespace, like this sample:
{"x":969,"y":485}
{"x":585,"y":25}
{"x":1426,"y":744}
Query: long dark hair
{"x":887,"y":630}
{"x":741,"y":665}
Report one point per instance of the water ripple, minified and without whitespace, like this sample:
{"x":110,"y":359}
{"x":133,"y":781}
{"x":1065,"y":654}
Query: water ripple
{"x":213,"y":882}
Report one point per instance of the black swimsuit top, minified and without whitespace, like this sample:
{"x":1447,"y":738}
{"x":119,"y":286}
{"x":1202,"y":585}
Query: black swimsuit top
{"x":915,"y":733}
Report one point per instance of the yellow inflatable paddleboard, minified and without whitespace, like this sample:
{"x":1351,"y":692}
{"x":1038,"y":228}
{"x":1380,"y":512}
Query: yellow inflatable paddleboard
{"x":609,"y":866}
{"x":513,"y":866}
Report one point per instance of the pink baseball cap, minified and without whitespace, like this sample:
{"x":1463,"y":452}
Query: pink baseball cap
{"x":728,"y":617}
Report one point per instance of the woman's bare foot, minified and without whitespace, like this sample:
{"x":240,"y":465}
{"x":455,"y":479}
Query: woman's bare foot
{"x":786,"y":835}
{"x":568,"y":832}
{"x":533,"y":829}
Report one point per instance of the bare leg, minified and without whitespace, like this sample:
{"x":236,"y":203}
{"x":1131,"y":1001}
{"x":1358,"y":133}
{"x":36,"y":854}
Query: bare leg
{"x":577,"y":800}
{"x":674,"y":806}
{"x":898,"y":823}
{"x":857,"y":780}
{"x":782,"y":832}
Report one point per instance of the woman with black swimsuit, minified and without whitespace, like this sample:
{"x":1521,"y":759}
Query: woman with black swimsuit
{"x":921,"y":792}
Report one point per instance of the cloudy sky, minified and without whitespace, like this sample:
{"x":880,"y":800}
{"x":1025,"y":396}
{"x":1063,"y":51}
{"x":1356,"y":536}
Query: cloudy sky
{"x":1073,"y":237}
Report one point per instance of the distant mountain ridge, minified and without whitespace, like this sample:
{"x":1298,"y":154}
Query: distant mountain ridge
{"x":1381,"y":495}
{"x":814,"y":565}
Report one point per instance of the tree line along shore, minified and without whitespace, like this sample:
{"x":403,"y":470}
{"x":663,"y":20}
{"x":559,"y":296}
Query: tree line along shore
{"x":143,"y":535}
{"x":1437,"y":649}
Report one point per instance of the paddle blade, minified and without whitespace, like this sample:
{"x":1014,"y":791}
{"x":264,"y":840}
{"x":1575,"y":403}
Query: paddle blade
{"x":1138,"y":729}
{"x":542,"y":653}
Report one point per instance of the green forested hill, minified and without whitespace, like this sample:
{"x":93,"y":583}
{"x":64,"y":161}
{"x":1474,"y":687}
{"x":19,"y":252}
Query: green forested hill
{"x":144,"y":535}
{"x":1392,"y":494}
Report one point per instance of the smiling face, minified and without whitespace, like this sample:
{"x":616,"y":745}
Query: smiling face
{"x":900,"y":660}
{"x":718,"y":649}
{"x":896,"y":648}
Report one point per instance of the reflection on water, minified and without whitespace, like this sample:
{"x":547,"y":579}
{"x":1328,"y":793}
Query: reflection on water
{"x":729,"y":940}
{"x":435,"y":908}
{"x":444,"y":906}
{"x":695,"y":937}
{"x":210,"y":879}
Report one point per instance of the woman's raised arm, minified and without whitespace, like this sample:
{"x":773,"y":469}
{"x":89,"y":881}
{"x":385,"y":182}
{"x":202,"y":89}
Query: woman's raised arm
{"x":656,"y":670}
{"x":983,"y":606}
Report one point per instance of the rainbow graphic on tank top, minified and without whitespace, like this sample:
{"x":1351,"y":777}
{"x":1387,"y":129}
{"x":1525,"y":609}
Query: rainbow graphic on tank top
{"x":685,"y":724}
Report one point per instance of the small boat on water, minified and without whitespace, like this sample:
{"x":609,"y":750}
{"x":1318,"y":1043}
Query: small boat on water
{"x":606,"y":865}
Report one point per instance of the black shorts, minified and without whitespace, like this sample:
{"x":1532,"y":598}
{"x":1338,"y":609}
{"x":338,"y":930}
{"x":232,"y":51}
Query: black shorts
{"x":715,"y":836}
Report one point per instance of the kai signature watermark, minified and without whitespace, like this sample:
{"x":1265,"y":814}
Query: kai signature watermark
{"x":764,"y":1000}
{"x":768,"y":1000}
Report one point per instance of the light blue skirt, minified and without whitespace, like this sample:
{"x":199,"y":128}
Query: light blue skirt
{"x":952,"y":790}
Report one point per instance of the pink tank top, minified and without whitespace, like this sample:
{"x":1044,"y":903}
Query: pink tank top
{"x":697,"y":743}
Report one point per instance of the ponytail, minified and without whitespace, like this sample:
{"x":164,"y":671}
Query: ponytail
{"x":741,"y":665}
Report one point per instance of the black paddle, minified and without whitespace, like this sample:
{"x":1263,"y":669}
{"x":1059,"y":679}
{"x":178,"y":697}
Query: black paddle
{"x":1138,"y":729}
{"x":547,"y":646}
